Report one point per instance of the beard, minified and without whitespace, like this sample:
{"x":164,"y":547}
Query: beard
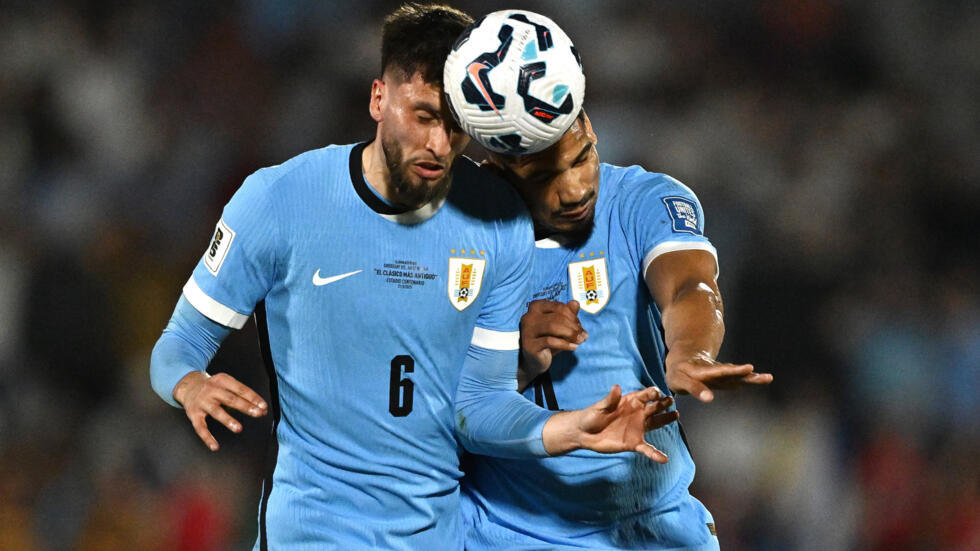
{"x":409,"y":189}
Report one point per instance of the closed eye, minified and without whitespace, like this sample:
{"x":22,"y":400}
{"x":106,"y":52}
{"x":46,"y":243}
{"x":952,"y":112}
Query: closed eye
{"x":584,"y":155}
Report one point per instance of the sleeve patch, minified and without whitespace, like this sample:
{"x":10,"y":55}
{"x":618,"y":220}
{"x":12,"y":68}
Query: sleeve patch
{"x":684,"y":213}
{"x":218,"y":249}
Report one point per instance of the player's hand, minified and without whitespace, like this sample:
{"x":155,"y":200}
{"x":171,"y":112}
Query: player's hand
{"x":548,"y":328}
{"x":616,"y":423}
{"x":700,"y":374}
{"x":203,"y":395}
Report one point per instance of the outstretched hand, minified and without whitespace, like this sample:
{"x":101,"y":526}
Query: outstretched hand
{"x":698,"y":375}
{"x":616,"y":423}
{"x":203,"y":395}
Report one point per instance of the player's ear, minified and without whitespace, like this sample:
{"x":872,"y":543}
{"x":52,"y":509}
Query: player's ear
{"x":376,"y":106}
{"x":587,"y":125}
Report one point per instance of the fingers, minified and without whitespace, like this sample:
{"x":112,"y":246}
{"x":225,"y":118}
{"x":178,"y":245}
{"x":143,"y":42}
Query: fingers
{"x":659,"y":405}
{"x":648,"y":394}
{"x":655,"y":414}
{"x":556,"y":344}
{"x":231,"y":399}
{"x":699,"y":378}
{"x":548,"y":312}
{"x":223,"y":417}
{"x":736,"y":381}
{"x":198,"y":421}
{"x":561,"y":329}
{"x":652,"y":453}
{"x":659,"y":420}
{"x":611,"y":400}
{"x":757,"y":379}
{"x":720,"y":370}
{"x":543,"y":306}
{"x":681,"y":383}
{"x":211,"y":398}
{"x":257,"y":406}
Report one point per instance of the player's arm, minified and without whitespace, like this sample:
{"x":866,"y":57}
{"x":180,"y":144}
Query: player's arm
{"x":683,"y":284}
{"x":177,"y":373}
{"x":493,"y":419}
{"x":235,"y":273}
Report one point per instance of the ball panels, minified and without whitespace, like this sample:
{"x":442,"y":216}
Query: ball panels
{"x":514,"y":82}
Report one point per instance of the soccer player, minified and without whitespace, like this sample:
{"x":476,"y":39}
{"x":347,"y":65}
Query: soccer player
{"x":388,"y":303}
{"x":626,"y":287}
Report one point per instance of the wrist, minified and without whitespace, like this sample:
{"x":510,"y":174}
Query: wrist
{"x":687,"y":353}
{"x":561,"y":433}
{"x":523,"y":379}
{"x":186,"y":383}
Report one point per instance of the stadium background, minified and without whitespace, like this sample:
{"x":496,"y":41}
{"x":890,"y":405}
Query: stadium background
{"x":834,"y":146}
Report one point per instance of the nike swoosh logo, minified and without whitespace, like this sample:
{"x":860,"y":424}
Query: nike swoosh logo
{"x":318,"y":281}
{"x":474,"y":71}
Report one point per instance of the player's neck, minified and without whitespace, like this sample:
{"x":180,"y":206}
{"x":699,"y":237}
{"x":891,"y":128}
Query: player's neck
{"x":567,"y":238}
{"x":376,"y":171}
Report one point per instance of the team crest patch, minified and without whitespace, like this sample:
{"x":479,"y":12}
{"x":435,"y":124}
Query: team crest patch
{"x":465,"y":281}
{"x":684,"y":213}
{"x":589,"y":280}
{"x":220,"y":242}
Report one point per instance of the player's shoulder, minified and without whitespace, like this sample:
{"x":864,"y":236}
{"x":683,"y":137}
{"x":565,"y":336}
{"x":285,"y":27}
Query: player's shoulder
{"x":480,"y":193}
{"x":631,"y":182}
{"x":307,"y":165}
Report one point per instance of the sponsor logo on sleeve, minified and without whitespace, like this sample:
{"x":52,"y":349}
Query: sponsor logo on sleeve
{"x":684,"y":213}
{"x":218,"y":249}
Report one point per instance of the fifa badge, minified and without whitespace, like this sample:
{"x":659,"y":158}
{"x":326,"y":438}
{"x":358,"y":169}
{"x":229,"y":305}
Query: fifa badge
{"x":589,"y":282}
{"x":465,"y":280}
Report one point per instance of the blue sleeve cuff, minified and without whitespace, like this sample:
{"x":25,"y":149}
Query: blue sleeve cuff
{"x":491,"y":417}
{"x":188,"y":344}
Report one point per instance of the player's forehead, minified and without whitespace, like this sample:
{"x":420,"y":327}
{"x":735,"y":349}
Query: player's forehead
{"x":415,"y":90}
{"x":559,"y":157}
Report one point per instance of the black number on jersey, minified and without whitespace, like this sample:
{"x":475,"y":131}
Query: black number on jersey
{"x":544,"y":391}
{"x":400,"y":391}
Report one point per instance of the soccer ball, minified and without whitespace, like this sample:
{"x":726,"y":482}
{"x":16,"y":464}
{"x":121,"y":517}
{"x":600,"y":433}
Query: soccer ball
{"x":514,"y":82}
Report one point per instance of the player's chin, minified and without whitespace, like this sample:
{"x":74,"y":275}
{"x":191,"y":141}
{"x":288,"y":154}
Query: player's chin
{"x":424,"y":190}
{"x":573,"y":226}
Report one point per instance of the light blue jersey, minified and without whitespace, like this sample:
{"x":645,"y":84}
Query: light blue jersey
{"x":588,"y":500}
{"x":367,"y":316}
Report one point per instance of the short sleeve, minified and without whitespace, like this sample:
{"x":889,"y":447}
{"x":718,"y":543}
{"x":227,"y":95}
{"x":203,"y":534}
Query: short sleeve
{"x":238,"y":266}
{"x":662,"y":215}
{"x":497,"y":327}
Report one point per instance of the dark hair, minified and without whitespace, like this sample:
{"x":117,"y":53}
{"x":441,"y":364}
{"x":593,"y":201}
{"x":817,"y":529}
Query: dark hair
{"x":416,"y":38}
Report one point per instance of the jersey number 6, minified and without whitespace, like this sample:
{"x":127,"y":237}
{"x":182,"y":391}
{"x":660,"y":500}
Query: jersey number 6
{"x":400,"y":390}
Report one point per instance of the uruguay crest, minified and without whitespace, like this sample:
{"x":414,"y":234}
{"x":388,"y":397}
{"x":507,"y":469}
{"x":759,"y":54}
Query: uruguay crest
{"x":589,"y":281}
{"x":465,"y":280}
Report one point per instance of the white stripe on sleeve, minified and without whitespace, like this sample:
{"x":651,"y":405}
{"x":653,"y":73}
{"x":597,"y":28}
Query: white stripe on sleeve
{"x":212,"y":309}
{"x":496,"y":340}
{"x":671,"y":246}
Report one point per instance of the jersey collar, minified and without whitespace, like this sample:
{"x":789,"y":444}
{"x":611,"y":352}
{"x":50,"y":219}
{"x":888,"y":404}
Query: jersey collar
{"x":390,"y":212}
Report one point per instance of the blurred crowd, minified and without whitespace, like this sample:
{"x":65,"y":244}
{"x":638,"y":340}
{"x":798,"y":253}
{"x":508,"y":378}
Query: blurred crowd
{"x":835,"y":146}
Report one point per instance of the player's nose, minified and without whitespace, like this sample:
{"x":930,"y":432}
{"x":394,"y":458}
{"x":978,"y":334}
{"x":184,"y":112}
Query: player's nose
{"x":440,"y":141}
{"x":573,"y":191}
